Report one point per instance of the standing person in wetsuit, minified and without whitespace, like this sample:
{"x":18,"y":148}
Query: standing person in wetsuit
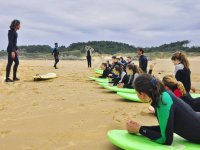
{"x":13,"y":51}
{"x":55,"y":53}
{"x":174,"y":115}
{"x":143,"y":61}
{"x":182,"y":71}
{"x":89,"y":57}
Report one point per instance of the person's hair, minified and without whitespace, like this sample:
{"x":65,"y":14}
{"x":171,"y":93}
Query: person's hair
{"x":56,"y":43}
{"x":151,"y":86}
{"x":182,"y":58}
{"x":133,"y":67}
{"x":104,"y":64}
{"x":114,"y":57}
{"x":14,"y":24}
{"x":171,"y":82}
{"x":118,"y":68}
{"x":129,"y":57}
{"x":141,"y":50}
{"x":121,"y":58}
{"x":108,"y":61}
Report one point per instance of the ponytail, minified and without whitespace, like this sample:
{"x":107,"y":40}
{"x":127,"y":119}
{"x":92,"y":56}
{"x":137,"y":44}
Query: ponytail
{"x":171,"y":82}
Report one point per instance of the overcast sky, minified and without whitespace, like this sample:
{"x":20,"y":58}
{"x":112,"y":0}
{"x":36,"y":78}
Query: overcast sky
{"x":136,"y":22}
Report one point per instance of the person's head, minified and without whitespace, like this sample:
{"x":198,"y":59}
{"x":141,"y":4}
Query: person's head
{"x":121,"y":59}
{"x":103,"y":66}
{"x":15,"y":25}
{"x":117,"y":70}
{"x":149,"y":89}
{"x":131,"y":69}
{"x":114,"y":59}
{"x":172,"y":84}
{"x":108,"y":62}
{"x":140,"y":51}
{"x":179,"y":57}
{"x":56,"y":44}
{"x":129,"y":59}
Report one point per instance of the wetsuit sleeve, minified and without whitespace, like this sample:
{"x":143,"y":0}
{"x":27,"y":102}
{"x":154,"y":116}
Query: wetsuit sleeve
{"x":11,"y":39}
{"x":165,"y":115}
{"x":104,"y":75}
{"x":125,"y":79}
{"x":144,"y":63}
{"x":53,"y":51}
{"x":162,"y":134}
{"x":128,"y":86}
{"x":178,"y":75}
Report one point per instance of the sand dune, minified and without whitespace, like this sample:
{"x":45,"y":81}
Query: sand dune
{"x":69,"y":112}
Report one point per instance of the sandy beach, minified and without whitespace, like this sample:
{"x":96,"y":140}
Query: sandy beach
{"x":69,"y":112}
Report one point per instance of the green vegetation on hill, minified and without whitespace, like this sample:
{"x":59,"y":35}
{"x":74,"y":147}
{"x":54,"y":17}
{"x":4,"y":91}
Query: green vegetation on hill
{"x":101,"y":47}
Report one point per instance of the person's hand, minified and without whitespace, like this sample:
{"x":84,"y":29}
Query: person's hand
{"x":193,"y":89}
{"x":133,"y":127}
{"x":13,"y":55}
{"x":17,"y":52}
{"x":110,"y":75}
{"x":120,"y":85}
{"x":152,"y":66}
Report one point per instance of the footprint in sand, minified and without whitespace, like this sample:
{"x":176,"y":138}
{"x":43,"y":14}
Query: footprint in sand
{"x":2,"y":107}
{"x":4,"y":133}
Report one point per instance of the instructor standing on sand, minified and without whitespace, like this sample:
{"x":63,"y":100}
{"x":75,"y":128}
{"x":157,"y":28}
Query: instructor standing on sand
{"x":12,"y":51}
{"x":143,"y":61}
{"x":55,"y":53}
{"x":89,"y":51}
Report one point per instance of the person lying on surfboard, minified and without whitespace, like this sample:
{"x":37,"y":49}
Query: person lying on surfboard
{"x":119,"y":76}
{"x":178,"y":89}
{"x":133,"y":73}
{"x":106,"y":70}
{"x":174,"y":115}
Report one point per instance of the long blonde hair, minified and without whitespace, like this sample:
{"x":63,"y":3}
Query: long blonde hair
{"x":171,"y":82}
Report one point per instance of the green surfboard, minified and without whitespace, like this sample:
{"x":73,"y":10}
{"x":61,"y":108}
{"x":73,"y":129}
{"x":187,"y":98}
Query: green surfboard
{"x":126,"y":141}
{"x":195,"y":95}
{"x":105,"y":80}
{"x":102,"y":80}
{"x":102,"y":84}
{"x":130,"y":97}
{"x":99,"y":71}
{"x":116,"y":89}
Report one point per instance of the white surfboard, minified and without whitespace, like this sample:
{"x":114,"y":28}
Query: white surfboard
{"x":44,"y":76}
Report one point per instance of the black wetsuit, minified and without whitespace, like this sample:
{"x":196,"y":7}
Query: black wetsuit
{"x":119,"y":79}
{"x":174,"y":116}
{"x":105,"y":74}
{"x":130,"y":84}
{"x":193,"y":102}
{"x":183,"y":75}
{"x":55,"y":53}
{"x":116,"y":64}
{"x":89,"y":59}
{"x":12,"y":47}
{"x":143,"y":62}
